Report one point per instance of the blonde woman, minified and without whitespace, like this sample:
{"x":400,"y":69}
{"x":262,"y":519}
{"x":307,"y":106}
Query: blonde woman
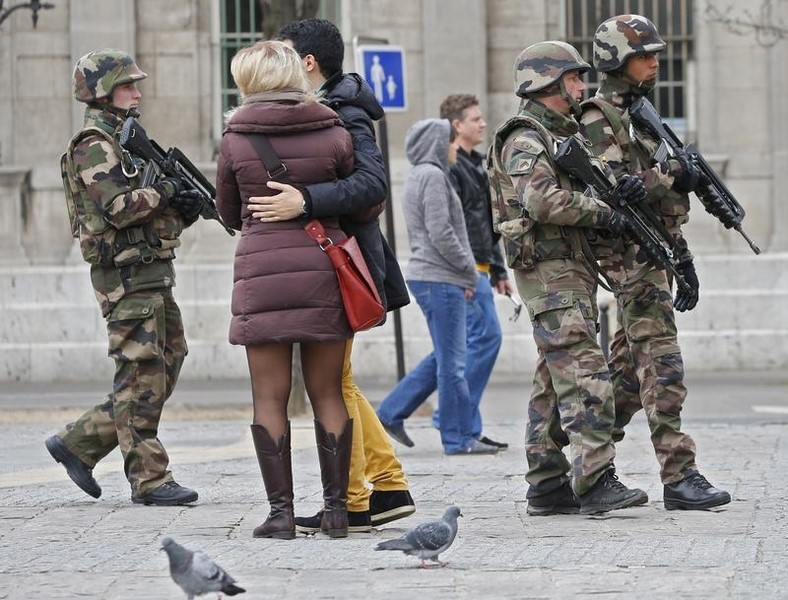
{"x":285,"y":289}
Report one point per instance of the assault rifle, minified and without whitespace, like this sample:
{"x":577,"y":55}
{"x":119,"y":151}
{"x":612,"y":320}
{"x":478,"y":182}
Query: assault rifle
{"x":715,"y":196}
{"x":172,"y":163}
{"x":656,"y":242}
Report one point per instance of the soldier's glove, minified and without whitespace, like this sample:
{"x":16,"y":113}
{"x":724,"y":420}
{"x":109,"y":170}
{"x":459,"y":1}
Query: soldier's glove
{"x":630,"y":189}
{"x":168,"y":187}
{"x":687,"y":299}
{"x":616,"y":225}
{"x":685,"y":174}
{"x":188,"y":203}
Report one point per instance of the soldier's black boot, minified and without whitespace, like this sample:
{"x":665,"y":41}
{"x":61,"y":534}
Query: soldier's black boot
{"x":334,"y":455}
{"x":80,"y":473}
{"x":552,"y":497}
{"x":608,"y":493}
{"x":694,"y":492}
{"x":167,"y":494}
{"x":276,"y":467}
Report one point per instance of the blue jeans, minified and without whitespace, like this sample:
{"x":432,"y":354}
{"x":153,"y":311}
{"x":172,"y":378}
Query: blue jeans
{"x":444,"y":306}
{"x":484,"y":337}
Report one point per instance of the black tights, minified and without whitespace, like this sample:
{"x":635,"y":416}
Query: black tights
{"x":270,"y":370}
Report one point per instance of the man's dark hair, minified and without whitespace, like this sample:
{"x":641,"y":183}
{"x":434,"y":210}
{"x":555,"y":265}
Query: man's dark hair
{"x":321,"y":39}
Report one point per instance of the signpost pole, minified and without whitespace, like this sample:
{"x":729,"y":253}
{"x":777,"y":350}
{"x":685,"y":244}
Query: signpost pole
{"x":383,"y":141}
{"x":383,"y":136}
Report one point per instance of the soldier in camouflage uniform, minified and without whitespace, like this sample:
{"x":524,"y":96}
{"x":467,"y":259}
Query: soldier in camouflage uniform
{"x":128,"y":235}
{"x":544,"y":218}
{"x":645,"y":362}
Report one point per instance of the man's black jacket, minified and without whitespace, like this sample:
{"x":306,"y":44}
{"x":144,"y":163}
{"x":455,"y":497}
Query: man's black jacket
{"x":472,"y":186}
{"x":355,"y":103}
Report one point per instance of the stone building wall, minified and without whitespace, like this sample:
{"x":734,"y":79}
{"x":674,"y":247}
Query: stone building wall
{"x":738,"y":116}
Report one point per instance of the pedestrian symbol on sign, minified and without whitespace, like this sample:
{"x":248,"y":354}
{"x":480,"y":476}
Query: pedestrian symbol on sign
{"x":383,"y":67}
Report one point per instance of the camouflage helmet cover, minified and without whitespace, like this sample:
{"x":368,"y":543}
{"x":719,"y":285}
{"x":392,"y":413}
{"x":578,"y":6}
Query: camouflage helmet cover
{"x":97,"y":73}
{"x":541,"y":65}
{"x":620,"y":37}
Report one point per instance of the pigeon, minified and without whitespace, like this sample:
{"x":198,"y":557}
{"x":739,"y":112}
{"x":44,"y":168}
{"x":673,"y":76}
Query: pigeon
{"x":427,"y":540}
{"x":197,"y":574}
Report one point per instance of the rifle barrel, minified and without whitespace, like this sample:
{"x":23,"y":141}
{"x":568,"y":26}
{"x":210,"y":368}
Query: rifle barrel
{"x":752,"y":244}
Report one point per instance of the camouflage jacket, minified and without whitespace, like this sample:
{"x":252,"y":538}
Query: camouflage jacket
{"x":540,"y":213}
{"x":605,"y":123}
{"x":127,"y":234}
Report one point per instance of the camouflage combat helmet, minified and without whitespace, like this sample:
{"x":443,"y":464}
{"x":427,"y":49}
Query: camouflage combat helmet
{"x":97,"y":73}
{"x":541,"y":65}
{"x":623,"y":36}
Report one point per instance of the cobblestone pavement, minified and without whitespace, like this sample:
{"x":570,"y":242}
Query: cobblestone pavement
{"x":56,"y":542}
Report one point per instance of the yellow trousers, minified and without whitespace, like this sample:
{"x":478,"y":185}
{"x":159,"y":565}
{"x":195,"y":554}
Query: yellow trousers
{"x":372,"y":458}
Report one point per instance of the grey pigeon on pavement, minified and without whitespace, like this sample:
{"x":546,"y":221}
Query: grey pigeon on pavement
{"x":196,"y":573}
{"x":428,"y":540}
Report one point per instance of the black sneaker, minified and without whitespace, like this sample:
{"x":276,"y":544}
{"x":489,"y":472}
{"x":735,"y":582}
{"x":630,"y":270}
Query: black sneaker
{"x":500,"y":445}
{"x":80,"y":473}
{"x":608,"y":493}
{"x":167,"y":494}
{"x":398,"y":433}
{"x":358,"y":522}
{"x":561,"y":501}
{"x":385,"y":507}
{"x":694,"y":492}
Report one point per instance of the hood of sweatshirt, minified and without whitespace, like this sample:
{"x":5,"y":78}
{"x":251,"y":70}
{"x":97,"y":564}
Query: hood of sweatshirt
{"x":427,"y":141}
{"x":350,"y":89}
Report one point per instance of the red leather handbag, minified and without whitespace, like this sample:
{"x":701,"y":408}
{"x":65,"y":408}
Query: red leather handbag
{"x":360,"y":297}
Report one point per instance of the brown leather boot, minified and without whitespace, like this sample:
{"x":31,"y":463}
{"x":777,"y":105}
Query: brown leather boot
{"x":276,"y":468}
{"x":334,"y":455}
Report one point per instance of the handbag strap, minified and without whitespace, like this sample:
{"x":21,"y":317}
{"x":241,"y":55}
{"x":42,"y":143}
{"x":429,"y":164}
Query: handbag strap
{"x":315,"y":230}
{"x":278,"y":170}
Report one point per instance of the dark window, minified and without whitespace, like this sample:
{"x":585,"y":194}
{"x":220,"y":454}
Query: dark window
{"x":241,"y":24}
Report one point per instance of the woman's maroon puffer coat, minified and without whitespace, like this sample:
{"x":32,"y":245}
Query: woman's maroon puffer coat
{"x":285,"y":288}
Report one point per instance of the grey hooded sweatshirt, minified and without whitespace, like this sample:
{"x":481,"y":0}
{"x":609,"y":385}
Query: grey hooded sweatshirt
{"x":440,"y":251}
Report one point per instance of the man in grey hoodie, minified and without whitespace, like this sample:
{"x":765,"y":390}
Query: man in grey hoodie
{"x":442,"y":276}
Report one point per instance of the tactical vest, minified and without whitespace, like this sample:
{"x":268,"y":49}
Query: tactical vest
{"x":638,"y":150}
{"x":101,"y":243}
{"x":524,"y":242}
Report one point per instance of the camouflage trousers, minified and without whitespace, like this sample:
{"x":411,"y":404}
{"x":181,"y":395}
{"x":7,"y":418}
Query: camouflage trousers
{"x":572,"y":398}
{"x":147,"y":343}
{"x":645,"y":363}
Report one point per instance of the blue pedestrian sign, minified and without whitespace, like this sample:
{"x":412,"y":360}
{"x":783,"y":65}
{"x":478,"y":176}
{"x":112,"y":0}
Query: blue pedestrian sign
{"x":383,"y":67}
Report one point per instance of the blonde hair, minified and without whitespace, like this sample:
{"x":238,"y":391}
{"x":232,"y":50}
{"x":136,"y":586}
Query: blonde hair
{"x":268,"y":65}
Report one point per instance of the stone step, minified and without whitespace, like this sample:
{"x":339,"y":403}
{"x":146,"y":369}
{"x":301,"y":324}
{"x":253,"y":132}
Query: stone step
{"x":734,"y":310}
{"x":213,"y":281}
{"x":52,"y":329}
{"x":374,"y":356}
{"x":70,"y":284}
{"x":745,"y":272}
{"x":209,"y":320}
